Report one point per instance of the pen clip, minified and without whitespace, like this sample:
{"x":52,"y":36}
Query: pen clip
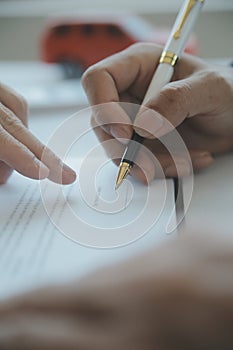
{"x":187,"y":11}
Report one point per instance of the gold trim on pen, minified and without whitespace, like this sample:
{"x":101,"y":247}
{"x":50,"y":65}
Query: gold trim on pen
{"x":188,"y":9}
{"x":168,"y":57}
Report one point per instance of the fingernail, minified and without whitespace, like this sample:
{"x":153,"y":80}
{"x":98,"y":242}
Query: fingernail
{"x":180,"y":168}
{"x":148,"y":123}
{"x":120,"y":132}
{"x":203,"y":160}
{"x":68,"y":174}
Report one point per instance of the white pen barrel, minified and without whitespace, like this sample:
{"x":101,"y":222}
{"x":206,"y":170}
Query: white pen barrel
{"x":161,"y":77}
{"x":179,"y":38}
{"x":174,"y":46}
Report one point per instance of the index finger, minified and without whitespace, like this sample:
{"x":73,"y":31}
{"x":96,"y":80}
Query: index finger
{"x":14,"y":101}
{"x":103,"y":93}
{"x":27,"y":154}
{"x":128,"y":71}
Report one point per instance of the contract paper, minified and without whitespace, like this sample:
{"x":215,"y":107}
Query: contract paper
{"x":50,"y":233}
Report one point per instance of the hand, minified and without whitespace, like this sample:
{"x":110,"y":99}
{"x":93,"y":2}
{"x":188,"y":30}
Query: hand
{"x":198,"y":102}
{"x":22,"y":151}
{"x":179,"y":296}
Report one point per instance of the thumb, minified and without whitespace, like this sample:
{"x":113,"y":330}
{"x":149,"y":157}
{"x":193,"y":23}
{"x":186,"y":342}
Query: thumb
{"x":177,"y":101}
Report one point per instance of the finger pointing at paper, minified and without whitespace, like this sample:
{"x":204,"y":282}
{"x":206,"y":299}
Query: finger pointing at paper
{"x":20,"y":149}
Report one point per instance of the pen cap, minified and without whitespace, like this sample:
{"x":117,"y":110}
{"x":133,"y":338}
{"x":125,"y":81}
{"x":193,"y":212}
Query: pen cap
{"x":183,"y":26}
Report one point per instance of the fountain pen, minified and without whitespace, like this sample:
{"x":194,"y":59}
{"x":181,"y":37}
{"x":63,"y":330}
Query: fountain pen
{"x":174,"y":47}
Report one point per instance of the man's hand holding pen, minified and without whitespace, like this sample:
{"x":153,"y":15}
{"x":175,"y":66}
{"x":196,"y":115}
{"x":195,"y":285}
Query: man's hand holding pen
{"x":198,"y":102}
{"x":162,"y":75}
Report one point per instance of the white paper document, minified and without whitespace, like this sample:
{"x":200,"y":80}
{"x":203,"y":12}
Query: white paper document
{"x":50,"y":233}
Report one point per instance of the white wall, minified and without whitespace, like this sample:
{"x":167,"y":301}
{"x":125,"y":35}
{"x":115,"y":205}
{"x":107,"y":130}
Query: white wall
{"x":22,"y":21}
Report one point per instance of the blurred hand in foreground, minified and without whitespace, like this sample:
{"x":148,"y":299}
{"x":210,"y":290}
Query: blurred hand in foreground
{"x":178,"y":296}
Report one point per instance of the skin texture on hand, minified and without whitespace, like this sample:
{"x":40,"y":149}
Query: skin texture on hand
{"x":198,"y":102}
{"x":20,"y":149}
{"x":178,"y":296}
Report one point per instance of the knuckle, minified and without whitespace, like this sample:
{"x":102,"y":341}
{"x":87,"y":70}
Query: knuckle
{"x":217,"y":85}
{"x":14,"y":99}
{"x":7,"y":117}
{"x":175,"y":95}
{"x":22,"y":106}
{"x":11,"y":123}
{"x":6,"y":149}
{"x":4,"y":139}
{"x":145,"y":51}
{"x":213,"y":78}
{"x":220,"y":82}
{"x":140,"y":47}
{"x":169,"y":95}
{"x":91,"y":74}
{"x":136,"y":47}
{"x":2,"y":133}
{"x":167,"y":99}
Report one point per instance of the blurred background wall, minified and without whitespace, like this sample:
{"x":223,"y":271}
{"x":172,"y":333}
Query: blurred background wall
{"x":22,"y":22}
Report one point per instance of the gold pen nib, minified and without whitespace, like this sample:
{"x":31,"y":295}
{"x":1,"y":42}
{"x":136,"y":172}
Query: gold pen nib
{"x":124,"y":170}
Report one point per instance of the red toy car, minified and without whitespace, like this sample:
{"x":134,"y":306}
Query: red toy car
{"x":80,"y":42}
